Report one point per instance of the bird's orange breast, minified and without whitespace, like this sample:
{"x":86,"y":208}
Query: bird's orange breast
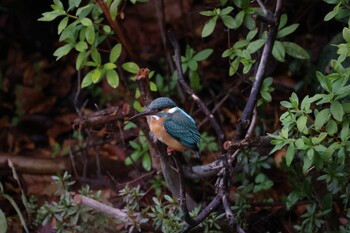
{"x":158,"y":130}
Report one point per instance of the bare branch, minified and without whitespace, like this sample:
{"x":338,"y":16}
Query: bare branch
{"x":246,"y":117}
{"x":189,"y":90}
{"x":103,"y":208}
{"x":37,"y":166}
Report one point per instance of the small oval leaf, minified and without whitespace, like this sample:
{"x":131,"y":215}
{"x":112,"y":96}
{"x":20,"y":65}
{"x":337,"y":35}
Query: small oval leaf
{"x":112,"y":78}
{"x":115,"y":53}
{"x":209,"y":27}
{"x":131,"y":67}
{"x":322,"y":117}
{"x":337,"y":110}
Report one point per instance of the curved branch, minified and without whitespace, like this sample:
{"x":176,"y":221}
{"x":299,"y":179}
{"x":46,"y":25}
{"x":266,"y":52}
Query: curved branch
{"x":189,"y":90}
{"x":246,"y":117}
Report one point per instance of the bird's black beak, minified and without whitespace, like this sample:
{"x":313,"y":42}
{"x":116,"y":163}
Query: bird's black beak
{"x":145,"y":113}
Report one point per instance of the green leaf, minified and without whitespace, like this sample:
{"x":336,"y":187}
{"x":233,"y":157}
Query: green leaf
{"x":85,"y":10}
{"x":152,"y":86}
{"x":49,"y":16}
{"x":81,"y":58}
{"x":310,"y":154}
{"x":296,"y":51}
{"x":331,"y":128}
{"x":286,"y":104}
{"x":58,"y":4}
{"x":229,"y":21}
{"x":305,"y":104}
{"x":87,"y":81}
{"x":246,"y":67}
{"x":240,"y":44}
{"x":81,"y":46}
{"x":292,"y":198}
{"x":137,"y":93}
{"x":337,"y":110}
{"x":62,"y":51}
{"x":115,"y":53}
{"x":68,"y":34}
{"x":344,"y":133}
{"x":96,"y":75}
{"x":301,"y":124}
{"x":331,"y":14}
{"x":86,"y":22}
{"x":90,"y":34}
{"x":226,"y":10}
{"x":209,"y":27}
{"x":3,"y":222}
{"x":294,"y":100}
{"x":234,"y":66}
{"x":132,"y":158}
{"x":202,"y":55}
{"x":299,"y":144}
{"x":109,"y":66}
{"x":325,"y":84}
{"x":195,"y":81}
{"x":113,"y":9}
{"x":146,"y":162}
{"x":227,"y":52}
{"x":193,"y":65}
{"x":62,"y":25}
{"x":278,"y":145}
{"x":137,"y":106}
{"x":322,"y":117}
{"x":287,"y":30}
{"x":251,"y":34}
{"x":319,"y":139}
{"x":73,"y":3}
{"x":346,"y":34}
{"x":266,"y":96}
{"x":131,"y":67}
{"x":278,"y":51}
{"x":307,"y":163}
{"x":290,"y":154}
{"x":112,"y":78}
{"x":107,"y":29}
{"x":240,"y":18}
{"x":283,"y":21}
{"x":255,"y":45}
{"x":95,"y":55}
{"x":207,"y":13}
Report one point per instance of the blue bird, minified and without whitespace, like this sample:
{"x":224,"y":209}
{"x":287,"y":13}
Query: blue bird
{"x":172,"y":125}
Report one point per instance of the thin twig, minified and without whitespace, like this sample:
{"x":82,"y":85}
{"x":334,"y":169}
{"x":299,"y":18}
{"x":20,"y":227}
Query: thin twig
{"x":246,"y":117}
{"x":189,"y":90}
{"x":263,"y":7}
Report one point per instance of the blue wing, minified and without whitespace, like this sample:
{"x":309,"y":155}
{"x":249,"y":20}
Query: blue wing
{"x":183,"y":128}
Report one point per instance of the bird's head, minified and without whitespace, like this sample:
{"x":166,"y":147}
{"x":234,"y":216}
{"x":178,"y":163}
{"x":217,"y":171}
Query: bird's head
{"x":157,"y":106}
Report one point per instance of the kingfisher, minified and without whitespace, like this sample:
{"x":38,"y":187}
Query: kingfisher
{"x":171,"y":125}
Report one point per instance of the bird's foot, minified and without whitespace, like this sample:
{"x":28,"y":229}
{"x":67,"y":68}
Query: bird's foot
{"x":170,"y":150}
